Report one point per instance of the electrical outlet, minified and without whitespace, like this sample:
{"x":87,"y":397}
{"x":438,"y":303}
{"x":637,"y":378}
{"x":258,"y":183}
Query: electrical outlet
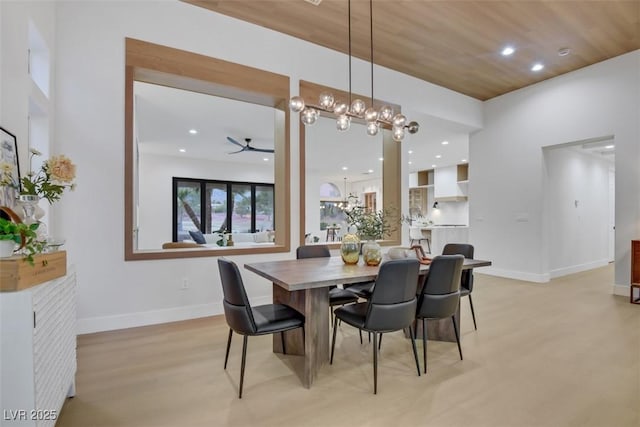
{"x":185,"y":284}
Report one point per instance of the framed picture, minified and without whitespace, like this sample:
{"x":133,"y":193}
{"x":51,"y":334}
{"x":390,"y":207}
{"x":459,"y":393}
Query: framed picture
{"x":9,"y":154}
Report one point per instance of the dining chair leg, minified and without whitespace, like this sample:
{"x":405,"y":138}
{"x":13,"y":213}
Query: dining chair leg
{"x":455,"y":329}
{"x":226,"y":356}
{"x":375,"y":363}
{"x":424,"y":343}
{"x":413,"y":346}
{"x":380,"y":341}
{"x":284,"y":350}
{"x":360,"y":331}
{"x":244,"y":359}
{"x":333,"y":340}
{"x":473,"y":314}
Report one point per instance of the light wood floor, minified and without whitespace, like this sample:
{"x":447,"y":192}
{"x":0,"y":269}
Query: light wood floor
{"x":565,"y":353}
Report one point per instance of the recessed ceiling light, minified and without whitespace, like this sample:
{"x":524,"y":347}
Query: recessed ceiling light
{"x":564,"y":51}
{"x":266,"y":159}
{"x":410,"y":151}
{"x":438,"y":156}
{"x":433,"y":166}
{"x":344,"y":168}
{"x":381,"y":158}
{"x":410,"y":163}
{"x":608,"y":146}
{"x":537,"y":67}
{"x":445,"y":142}
{"x":182,"y":150}
{"x":193,"y":131}
{"x":370,"y":171}
{"x":508,"y":50}
{"x":464,"y":160}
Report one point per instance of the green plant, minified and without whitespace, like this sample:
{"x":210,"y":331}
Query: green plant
{"x":19,"y":232}
{"x":371,"y":224}
{"x":55,"y":175}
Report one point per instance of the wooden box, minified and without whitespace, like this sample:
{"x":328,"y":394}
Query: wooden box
{"x":17,"y":274}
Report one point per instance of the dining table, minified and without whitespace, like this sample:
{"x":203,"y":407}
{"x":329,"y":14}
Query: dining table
{"x":303,"y":284}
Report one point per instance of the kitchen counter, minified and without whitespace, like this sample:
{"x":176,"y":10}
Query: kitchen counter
{"x":440,"y":235}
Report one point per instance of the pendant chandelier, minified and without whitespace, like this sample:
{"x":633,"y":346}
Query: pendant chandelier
{"x":357,"y":108}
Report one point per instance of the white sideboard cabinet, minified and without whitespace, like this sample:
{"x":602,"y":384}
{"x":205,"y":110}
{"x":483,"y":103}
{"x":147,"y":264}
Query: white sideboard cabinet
{"x":37,"y":352}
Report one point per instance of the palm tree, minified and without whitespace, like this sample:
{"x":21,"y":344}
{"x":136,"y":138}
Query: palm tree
{"x":183,"y":195}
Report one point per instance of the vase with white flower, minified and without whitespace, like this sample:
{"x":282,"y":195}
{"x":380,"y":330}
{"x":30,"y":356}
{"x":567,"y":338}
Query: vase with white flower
{"x":49,"y":182}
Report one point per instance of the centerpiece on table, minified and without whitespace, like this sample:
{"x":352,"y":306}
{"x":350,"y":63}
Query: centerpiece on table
{"x":370,"y":226}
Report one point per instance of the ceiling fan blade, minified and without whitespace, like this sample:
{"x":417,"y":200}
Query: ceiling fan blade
{"x":239,"y":151}
{"x":261,"y":150}
{"x":233,"y":141}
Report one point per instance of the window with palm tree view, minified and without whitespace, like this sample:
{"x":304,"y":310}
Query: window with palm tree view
{"x":221,"y":206}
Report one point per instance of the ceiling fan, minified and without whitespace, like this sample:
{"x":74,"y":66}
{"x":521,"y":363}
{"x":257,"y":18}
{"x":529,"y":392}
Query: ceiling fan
{"x":247,"y":146}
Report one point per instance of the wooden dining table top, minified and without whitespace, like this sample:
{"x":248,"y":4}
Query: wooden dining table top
{"x":308,"y":273}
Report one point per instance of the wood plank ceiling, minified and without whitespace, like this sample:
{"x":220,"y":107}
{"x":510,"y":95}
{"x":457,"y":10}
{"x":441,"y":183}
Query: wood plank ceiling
{"x":457,"y":44}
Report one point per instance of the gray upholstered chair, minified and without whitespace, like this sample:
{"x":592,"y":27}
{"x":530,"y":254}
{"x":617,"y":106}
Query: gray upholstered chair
{"x":248,"y":321}
{"x":466,"y":285}
{"x":392,"y":307}
{"x":440,"y":296}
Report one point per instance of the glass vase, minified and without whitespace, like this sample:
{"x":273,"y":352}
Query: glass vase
{"x":350,"y":249}
{"x":28,"y":203}
{"x":371,"y":252}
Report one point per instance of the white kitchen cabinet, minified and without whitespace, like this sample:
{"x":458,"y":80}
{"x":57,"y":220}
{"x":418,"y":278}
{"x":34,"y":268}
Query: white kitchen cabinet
{"x":37,"y":352}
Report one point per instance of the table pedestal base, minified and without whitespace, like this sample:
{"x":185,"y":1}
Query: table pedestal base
{"x":314,"y":304}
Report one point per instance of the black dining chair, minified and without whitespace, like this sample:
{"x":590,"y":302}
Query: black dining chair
{"x":392,"y":307}
{"x":466,"y":284}
{"x":440,"y":296}
{"x":337,"y":296}
{"x":248,"y":321}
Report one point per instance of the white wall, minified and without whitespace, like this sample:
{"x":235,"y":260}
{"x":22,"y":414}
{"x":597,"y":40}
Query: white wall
{"x":90,"y":128}
{"x":506,"y":182}
{"x":577,"y":193}
{"x":19,"y":95}
{"x":156,"y":173}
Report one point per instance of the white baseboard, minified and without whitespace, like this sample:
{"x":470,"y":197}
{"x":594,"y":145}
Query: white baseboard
{"x":621,"y":290}
{"x":578,"y":268}
{"x":517,"y":275}
{"x":131,"y":320}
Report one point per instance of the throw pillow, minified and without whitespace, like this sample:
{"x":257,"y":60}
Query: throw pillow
{"x":197,"y":237}
{"x":261,"y":237}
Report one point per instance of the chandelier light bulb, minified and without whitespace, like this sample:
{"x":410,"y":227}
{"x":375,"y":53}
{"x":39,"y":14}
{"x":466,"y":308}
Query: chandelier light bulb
{"x":340,"y":108}
{"x":296,"y":104}
{"x":357,"y":107}
{"x":399,"y":120}
{"x":372,"y":128}
{"x":398,"y":134}
{"x":371,"y":114}
{"x":413,"y":127}
{"x":309,"y":116}
{"x":326,"y":100}
{"x":343,"y":122}
{"x":386,"y":113}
